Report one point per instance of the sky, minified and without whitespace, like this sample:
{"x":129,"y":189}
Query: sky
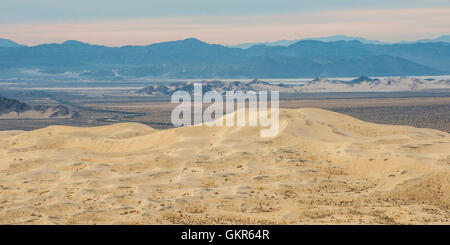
{"x":227,"y":22}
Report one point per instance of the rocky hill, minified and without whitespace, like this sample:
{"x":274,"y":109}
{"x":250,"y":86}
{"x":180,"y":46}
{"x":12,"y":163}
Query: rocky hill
{"x":218,"y":86}
{"x":14,"y":109}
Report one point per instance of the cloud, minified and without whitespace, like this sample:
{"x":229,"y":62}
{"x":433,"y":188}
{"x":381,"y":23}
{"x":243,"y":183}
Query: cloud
{"x":384,"y":24}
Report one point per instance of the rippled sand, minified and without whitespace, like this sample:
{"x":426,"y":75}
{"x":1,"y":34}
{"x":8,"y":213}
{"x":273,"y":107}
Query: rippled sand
{"x":323,"y":168}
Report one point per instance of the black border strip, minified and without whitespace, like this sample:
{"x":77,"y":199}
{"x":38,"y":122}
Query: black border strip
{"x":167,"y":233}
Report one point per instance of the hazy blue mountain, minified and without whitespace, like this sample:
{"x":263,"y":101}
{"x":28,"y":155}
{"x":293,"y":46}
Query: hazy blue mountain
{"x":336,"y":38}
{"x":276,"y":43}
{"x":192,"y":58}
{"x":445,"y":39}
{"x":345,"y":38}
{"x":322,"y":39}
{"x":8,"y":43}
{"x":435,"y":55}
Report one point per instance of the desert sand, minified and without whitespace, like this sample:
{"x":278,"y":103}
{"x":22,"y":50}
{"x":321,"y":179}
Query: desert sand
{"x":322,"y":168}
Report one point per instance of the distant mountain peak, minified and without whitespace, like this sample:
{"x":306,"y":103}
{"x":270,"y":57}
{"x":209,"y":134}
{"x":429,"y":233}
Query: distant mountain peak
{"x":194,"y":41}
{"x":191,"y":39}
{"x":445,"y":39}
{"x":5,"y":43}
{"x":306,"y":41}
{"x":183,"y":42}
{"x":74,"y":43}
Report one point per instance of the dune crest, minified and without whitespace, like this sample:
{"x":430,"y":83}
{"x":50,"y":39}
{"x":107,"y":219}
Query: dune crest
{"x":323,"y":167}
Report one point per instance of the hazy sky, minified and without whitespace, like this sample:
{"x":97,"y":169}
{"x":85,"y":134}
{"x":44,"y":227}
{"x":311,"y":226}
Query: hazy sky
{"x":140,"y":22}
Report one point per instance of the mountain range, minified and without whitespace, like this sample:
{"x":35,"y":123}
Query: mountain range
{"x":445,"y":38}
{"x":361,"y":84}
{"x":322,"y":39}
{"x":192,"y":58}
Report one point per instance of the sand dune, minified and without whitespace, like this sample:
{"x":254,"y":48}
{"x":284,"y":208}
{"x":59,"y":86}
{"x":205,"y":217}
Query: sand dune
{"x":323,"y":168}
